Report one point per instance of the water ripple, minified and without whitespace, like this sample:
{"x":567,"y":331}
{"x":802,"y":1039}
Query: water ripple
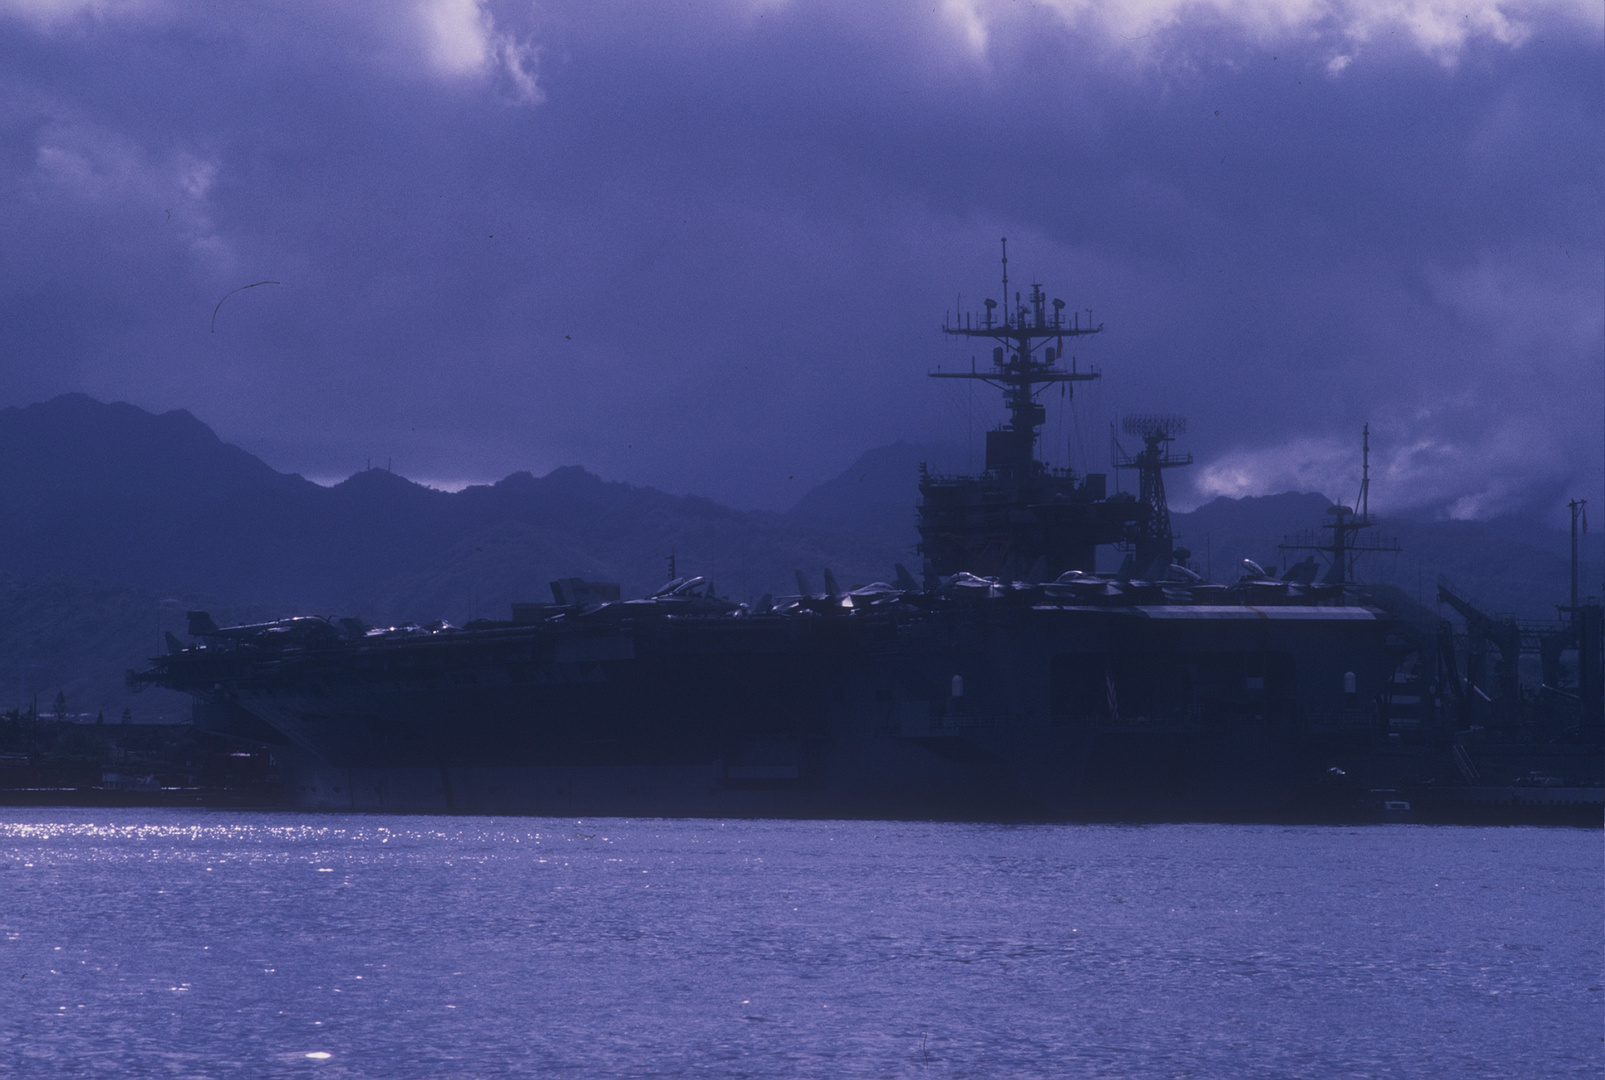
{"x":213,"y":944}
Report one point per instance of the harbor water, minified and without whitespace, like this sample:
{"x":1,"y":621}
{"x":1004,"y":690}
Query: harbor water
{"x":207,"y":944}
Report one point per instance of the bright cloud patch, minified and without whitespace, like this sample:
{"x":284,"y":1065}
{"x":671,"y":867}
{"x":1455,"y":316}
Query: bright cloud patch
{"x":1323,"y":465}
{"x":463,"y":40}
{"x":52,"y":12}
{"x":84,"y":166}
{"x":1459,"y":477}
{"x":1440,"y":28}
{"x":459,"y":38}
{"x":458,"y":34}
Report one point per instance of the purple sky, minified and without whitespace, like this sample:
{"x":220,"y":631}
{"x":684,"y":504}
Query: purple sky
{"x":706,"y":246}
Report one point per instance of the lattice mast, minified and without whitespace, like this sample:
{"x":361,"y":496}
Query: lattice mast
{"x":1022,"y":364}
{"x":1153,"y":541}
{"x":1345,"y":543}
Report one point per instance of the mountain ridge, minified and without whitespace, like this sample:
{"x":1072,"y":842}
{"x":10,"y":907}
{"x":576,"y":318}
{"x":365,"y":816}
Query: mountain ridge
{"x":114,"y":493}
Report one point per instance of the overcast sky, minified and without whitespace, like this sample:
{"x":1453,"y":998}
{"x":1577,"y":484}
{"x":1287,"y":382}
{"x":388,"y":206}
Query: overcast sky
{"x":708,"y":246}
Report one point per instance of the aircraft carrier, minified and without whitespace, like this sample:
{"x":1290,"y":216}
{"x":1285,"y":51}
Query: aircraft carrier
{"x":1010,"y":680}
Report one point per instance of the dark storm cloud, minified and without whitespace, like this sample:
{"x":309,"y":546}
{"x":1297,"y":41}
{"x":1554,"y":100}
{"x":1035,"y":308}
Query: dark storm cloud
{"x":707,"y":248}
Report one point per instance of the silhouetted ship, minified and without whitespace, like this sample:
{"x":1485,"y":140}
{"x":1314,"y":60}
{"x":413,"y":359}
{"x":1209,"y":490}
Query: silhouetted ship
{"x":1013,"y":681}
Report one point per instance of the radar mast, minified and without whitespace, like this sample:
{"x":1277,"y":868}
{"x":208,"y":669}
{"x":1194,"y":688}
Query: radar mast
{"x":1154,"y":544}
{"x":1022,"y":364}
{"x":1348,"y":523}
{"x":1020,"y":519}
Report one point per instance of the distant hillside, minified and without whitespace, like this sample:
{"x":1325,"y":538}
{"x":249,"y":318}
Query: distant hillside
{"x":113,"y":493}
{"x":1224,"y":532}
{"x":1508,"y":565}
{"x":875,"y":496}
{"x":507,"y":541}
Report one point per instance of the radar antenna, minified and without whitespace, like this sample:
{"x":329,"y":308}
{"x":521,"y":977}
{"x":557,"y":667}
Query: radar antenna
{"x":1018,"y":369}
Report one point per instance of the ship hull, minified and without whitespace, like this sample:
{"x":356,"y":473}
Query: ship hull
{"x":1044,"y":712}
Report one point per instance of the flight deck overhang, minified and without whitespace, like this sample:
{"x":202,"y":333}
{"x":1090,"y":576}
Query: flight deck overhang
{"x":1302,"y":613}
